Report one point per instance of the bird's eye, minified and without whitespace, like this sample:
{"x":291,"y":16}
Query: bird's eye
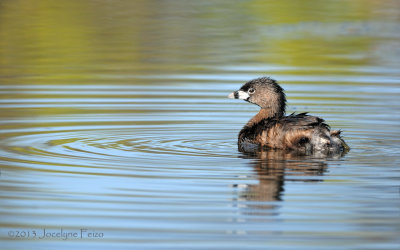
{"x":251,"y":91}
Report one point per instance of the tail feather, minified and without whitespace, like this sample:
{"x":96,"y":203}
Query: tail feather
{"x":336,"y":133}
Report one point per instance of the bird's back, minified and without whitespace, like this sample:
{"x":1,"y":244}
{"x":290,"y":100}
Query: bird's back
{"x":299,"y":132}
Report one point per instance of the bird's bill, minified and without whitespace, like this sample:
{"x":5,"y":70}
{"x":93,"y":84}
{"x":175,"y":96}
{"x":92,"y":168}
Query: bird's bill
{"x":239,"y":95}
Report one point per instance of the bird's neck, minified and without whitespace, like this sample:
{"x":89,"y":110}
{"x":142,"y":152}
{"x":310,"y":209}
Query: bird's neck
{"x":264,"y":113}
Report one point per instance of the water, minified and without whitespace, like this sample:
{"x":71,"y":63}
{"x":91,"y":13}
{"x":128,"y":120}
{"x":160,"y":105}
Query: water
{"x":116,"y":129}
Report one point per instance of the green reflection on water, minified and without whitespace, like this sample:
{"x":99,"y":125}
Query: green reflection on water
{"x":92,"y":42}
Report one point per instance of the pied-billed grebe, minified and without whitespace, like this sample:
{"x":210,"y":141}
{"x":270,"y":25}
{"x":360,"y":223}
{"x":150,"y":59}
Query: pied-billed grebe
{"x":270,"y":128}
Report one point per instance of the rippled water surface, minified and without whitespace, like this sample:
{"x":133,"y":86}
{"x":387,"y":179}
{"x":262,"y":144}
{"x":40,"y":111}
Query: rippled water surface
{"x":115,"y":127}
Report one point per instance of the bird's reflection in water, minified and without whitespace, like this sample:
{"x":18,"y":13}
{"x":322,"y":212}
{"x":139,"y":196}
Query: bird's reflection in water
{"x":274,"y":167}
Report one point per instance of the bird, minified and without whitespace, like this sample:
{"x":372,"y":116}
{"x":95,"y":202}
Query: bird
{"x":270,"y":128}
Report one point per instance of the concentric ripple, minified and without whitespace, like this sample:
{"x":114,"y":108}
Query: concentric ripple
{"x":139,"y":125}
{"x":118,"y":145}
